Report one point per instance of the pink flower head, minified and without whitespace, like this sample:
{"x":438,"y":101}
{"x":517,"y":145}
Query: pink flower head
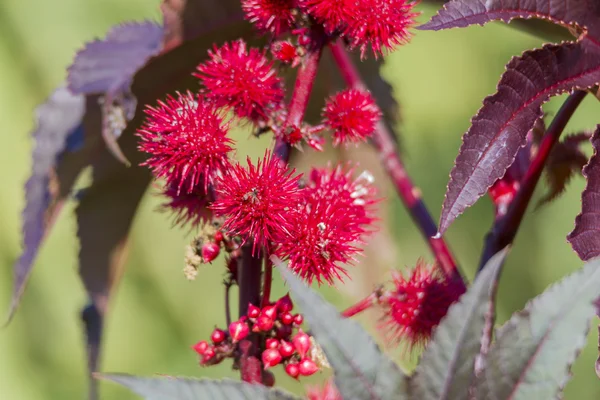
{"x":352,"y":116}
{"x":380,"y":24}
{"x":275,"y":16}
{"x":418,"y":303}
{"x":241,"y":79}
{"x":187,"y":142}
{"x":188,"y":207}
{"x":327,"y":226}
{"x":328,"y":392}
{"x":256,"y":200}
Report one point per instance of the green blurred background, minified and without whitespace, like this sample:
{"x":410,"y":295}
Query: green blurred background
{"x":440,"y":80}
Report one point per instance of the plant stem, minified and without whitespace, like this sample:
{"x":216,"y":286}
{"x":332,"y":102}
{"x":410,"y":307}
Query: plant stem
{"x":227,"y":303}
{"x":505,"y":229}
{"x":362,"y":305}
{"x":388,"y":152}
{"x":267,"y":279}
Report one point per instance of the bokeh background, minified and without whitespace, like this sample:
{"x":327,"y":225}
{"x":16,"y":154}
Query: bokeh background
{"x":440,"y":80}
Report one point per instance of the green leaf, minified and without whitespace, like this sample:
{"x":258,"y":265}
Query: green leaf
{"x":196,"y":389}
{"x":534,"y":350}
{"x":361,"y":370}
{"x":447,"y":365}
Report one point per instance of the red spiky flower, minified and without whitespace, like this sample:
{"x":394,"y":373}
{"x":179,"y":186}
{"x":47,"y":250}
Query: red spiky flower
{"x":256,"y":200}
{"x":328,"y":225}
{"x":379,"y":24}
{"x":187,"y":142}
{"x":188,"y":207}
{"x":275,"y":16}
{"x":418,"y":303}
{"x":331,"y":13}
{"x":241,"y":79}
{"x":352,"y":116}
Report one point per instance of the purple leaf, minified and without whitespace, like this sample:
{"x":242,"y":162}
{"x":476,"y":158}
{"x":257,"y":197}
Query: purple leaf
{"x":500,"y":127}
{"x":462,"y":13}
{"x":57,"y":119}
{"x":585,"y":238}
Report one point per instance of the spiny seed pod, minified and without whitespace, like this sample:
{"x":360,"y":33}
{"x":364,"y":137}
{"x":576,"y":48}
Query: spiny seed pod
{"x":301,"y":343}
{"x":272,"y":343}
{"x":285,"y":304}
{"x":253,"y":311}
{"x":286,"y":349}
{"x":218,"y":336}
{"x":210,"y":251}
{"x":271,"y":358}
{"x":293,"y":370}
{"x":201,"y":347}
{"x":307,"y":367}
{"x":238,"y":330}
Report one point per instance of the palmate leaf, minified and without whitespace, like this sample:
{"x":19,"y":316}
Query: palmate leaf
{"x":534,"y":350}
{"x":585,"y":238}
{"x":196,"y":389}
{"x":362,"y":372}
{"x":447,"y":366}
{"x":500,"y":127}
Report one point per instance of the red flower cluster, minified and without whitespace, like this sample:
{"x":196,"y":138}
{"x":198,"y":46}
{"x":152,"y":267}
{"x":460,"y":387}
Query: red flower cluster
{"x":351,"y":115}
{"x":187,"y":142}
{"x":418,"y":303}
{"x":241,"y":79}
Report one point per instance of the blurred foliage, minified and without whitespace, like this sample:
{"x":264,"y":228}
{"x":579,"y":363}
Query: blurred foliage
{"x":440,"y":80}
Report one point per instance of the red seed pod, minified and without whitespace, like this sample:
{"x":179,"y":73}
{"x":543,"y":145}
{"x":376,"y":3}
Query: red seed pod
{"x":238,"y":330}
{"x":307,"y":367}
{"x":270,"y":312}
{"x":210,"y":251}
{"x":284,"y":331}
{"x":285,"y":304}
{"x":298,"y":319}
{"x":271,"y":357}
{"x":293,"y":370}
{"x":263,"y":324}
{"x":218,"y":237}
{"x":218,"y":336}
{"x":208,"y":355}
{"x":200,"y":347}
{"x":286,"y":318}
{"x":286,"y":349}
{"x":253,"y":311}
{"x":302,"y":343}
{"x":272,"y":343}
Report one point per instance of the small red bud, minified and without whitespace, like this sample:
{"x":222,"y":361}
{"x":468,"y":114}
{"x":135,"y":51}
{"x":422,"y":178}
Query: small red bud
{"x":210,"y":251}
{"x":238,"y":330}
{"x":272,"y":343}
{"x":303,"y":40}
{"x":271,"y":358}
{"x":292,"y":370}
{"x":263,"y":323}
{"x":301,"y":343}
{"x":307,"y":367}
{"x":286,"y":349}
{"x":270,"y":311}
{"x":285,"y":304}
{"x":268,"y":379}
{"x":253,"y":311}
{"x":286,"y":318}
{"x":200,"y":347}
{"x":218,"y":336}
{"x":283,"y":51}
{"x":208,"y":355}
{"x":218,"y":237}
{"x":284,"y":331}
{"x":298,"y":319}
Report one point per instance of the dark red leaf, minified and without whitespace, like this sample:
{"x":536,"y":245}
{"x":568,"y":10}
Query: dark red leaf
{"x":500,"y":127}
{"x":461,"y":13}
{"x":585,"y":238}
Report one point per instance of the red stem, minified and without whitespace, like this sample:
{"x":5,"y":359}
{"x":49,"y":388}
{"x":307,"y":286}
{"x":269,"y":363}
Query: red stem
{"x":388,"y":152}
{"x":505,"y":229}
{"x":267,"y":279}
{"x":361,"y":306}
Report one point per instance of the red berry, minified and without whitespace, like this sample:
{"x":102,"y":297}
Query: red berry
{"x":208,"y":355}
{"x":286,"y":349}
{"x":264,"y":324}
{"x":292,"y":370}
{"x":201,"y":347}
{"x":272,"y":343}
{"x":286,"y":318}
{"x":218,"y":336}
{"x":218,"y":237}
{"x":285,"y":304}
{"x":301,"y":343}
{"x":307,"y":367}
{"x":271,"y":358}
{"x":210,"y":251}
{"x":270,"y":312}
{"x":253,"y":311}
{"x":298,"y":319}
{"x":238,"y":330}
